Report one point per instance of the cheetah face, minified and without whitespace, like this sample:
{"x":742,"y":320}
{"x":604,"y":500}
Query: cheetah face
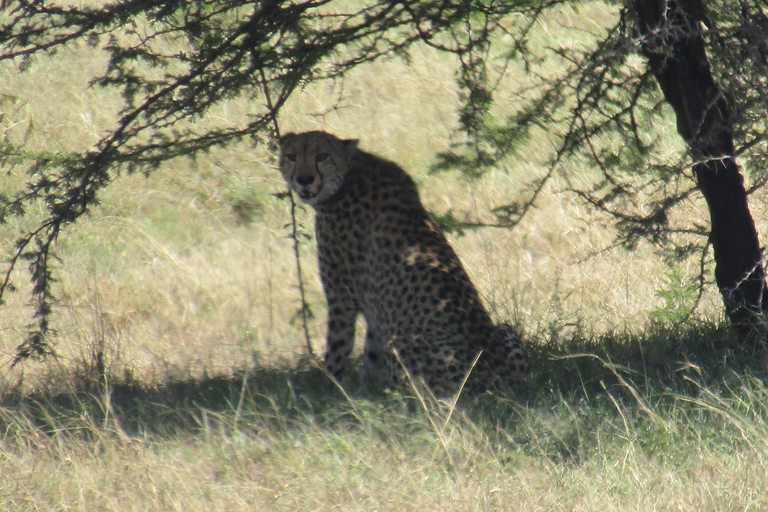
{"x":314,"y":164}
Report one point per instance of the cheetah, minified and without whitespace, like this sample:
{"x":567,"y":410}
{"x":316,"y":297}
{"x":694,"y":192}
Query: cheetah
{"x":380,"y":255}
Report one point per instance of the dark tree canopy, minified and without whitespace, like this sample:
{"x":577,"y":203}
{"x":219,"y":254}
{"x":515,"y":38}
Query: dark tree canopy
{"x":173,"y":60}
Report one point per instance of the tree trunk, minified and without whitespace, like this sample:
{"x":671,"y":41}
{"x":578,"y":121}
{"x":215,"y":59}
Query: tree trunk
{"x":674,"y":47}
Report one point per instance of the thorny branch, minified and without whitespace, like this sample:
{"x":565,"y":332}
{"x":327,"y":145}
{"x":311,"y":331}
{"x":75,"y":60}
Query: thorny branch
{"x":305,"y":310}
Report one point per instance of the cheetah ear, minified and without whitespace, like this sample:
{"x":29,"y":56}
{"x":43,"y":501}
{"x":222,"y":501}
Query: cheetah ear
{"x":285,"y":138}
{"x":350,"y":143}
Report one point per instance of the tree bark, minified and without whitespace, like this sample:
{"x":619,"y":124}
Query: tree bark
{"x":675,"y":49}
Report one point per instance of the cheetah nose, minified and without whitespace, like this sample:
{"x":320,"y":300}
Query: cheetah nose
{"x":305,"y":179}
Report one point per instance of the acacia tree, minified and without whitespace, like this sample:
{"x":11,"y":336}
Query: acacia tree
{"x":710,"y":63}
{"x":674,"y":45}
{"x":719,"y":117}
{"x":173,"y":60}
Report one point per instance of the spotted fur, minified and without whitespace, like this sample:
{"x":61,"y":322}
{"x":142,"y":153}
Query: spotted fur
{"x":381,"y":256}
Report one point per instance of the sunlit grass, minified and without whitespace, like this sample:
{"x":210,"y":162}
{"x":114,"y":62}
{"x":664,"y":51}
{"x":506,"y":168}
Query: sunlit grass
{"x":654,"y":431}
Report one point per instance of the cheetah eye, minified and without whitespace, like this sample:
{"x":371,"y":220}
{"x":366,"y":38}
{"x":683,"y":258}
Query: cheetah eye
{"x":291,"y":157}
{"x":321,"y":157}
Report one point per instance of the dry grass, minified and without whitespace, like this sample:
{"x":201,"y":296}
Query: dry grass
{"x":310,"y":448}
{"x":179,"y":282}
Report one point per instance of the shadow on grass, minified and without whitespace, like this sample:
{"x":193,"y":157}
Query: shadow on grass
{"x":679,"y":360}
{"x":176,"y":405}
{"x":666,"y":362}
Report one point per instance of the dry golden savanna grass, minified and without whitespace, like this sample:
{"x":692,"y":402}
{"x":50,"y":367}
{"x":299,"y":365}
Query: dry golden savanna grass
{"x":190,"y":269}
{"x":186,"y":278}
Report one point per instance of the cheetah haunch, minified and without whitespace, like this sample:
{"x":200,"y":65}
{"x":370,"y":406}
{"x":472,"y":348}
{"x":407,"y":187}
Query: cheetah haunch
{"x":382,"y":256}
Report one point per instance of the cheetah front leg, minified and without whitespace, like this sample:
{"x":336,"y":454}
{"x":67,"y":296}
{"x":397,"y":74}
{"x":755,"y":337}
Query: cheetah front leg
{"x":372,"y":376}
{"x":343,"y":308}
{"x":342,"y":314}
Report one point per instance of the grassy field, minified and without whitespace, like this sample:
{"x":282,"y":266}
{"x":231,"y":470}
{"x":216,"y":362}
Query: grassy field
{"x":182,"y":382}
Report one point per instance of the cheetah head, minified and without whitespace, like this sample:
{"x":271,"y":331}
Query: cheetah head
{"x":314,"y":164}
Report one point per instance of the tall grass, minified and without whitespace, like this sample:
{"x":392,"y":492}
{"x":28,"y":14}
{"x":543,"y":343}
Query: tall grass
{"x":663,"y":433}
{"x":182,"y":383}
